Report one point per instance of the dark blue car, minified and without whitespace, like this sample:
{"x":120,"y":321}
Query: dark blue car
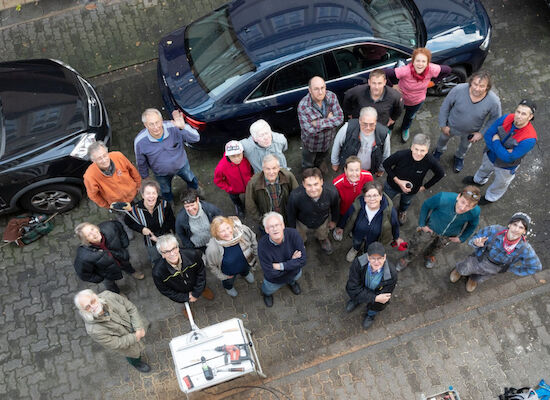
{"x":252,"y":59}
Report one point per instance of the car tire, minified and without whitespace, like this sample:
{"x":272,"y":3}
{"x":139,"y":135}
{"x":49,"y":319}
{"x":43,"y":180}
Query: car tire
{"x":444,"y":86}
{"x":51,"y":198}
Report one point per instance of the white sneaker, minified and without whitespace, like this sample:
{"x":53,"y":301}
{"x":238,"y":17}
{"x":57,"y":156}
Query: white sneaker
{"x":249,"y":278}
{"x":338,"y":234}
{"x":232,"y":292}
{"x":351,"y":255}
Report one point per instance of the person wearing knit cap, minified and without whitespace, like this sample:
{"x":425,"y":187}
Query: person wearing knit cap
{"x":507,"y":141}
{"x":498,"y":249}
{"x":371,"y":281}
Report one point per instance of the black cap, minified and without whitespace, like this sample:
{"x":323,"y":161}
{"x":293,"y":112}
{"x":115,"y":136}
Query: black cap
{"x":528,"y":103}
{"x":376,"y":248}
{"x":521,"y":216}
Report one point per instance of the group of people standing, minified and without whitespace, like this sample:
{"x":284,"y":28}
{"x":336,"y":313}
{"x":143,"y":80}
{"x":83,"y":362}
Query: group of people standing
{"x":281,"y":211}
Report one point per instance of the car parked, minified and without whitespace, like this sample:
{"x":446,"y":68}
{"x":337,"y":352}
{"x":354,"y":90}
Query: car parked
{"x":49,"y":115}
{"x":252,"y":59}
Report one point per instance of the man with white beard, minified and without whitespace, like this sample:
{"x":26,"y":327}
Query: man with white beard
{"x":115,"y":323}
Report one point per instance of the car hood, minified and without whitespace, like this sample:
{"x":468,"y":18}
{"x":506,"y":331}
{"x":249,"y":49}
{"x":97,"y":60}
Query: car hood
{"x":453,"y":21}
{"x":41,"y":98}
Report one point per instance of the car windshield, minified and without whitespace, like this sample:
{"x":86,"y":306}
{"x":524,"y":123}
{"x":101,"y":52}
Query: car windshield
{"x":215,"y":54}
{"x":392,"y":20}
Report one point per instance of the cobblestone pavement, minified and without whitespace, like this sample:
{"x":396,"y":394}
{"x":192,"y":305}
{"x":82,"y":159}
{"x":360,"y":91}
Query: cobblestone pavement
{"x":432,"y":335}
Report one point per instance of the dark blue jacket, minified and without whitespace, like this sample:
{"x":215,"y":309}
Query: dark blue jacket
{"x":269,"y":253}
{"x":383,"y":227}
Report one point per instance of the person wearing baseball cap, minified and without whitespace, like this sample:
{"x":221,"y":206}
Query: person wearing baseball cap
{"x":371,"y":281}
{"x":498,"y":249}
{"x":233,"y":173}
{"x":507,"y":141}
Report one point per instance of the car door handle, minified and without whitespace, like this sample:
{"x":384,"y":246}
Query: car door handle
{"x":283,"y":111}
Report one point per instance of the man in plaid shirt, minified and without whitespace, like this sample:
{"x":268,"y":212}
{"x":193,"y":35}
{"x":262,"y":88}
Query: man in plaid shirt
{"x":498,"y":249}
{"x":320,"y":116}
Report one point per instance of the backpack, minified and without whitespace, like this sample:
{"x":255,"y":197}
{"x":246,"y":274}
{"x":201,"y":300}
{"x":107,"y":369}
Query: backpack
{"x":518,"y":394}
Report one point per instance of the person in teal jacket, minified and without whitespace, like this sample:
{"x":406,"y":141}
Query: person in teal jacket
{"x":444,"y":218}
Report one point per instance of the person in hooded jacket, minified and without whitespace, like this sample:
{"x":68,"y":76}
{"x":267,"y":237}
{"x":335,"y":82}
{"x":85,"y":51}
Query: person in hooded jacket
{"x":103,"y":254}
{"x":376,"y":222}
{"x":233,"y":173}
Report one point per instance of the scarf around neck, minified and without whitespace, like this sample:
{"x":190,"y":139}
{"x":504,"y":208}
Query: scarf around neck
{"x":416,"y":75}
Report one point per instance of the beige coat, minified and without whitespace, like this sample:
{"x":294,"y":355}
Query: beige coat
{"x":214,"y":250}
{"x":116,"y":331}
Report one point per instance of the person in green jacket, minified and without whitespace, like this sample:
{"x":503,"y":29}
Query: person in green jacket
{"x":444,"y":218}
{"x":114,"y":322}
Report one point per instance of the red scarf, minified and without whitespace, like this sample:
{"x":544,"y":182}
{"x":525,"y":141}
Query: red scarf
{"x":508,"y":245}
{"x":103,"y":246}
{"x":416,"y":75}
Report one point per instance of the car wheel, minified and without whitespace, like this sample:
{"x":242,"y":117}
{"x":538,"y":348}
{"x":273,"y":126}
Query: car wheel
{"x":50,"y":199}
{"x":444,"y":86}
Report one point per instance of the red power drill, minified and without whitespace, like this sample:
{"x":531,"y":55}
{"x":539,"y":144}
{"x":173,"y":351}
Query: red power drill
{"x":234,"y":353}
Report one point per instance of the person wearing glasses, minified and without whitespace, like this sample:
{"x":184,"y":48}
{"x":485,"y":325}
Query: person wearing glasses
{"x":180,"y":274}
{"x":444,"y":218}
{"x":231,"y":251}
{"x":371,"y":281}
{"x":376,"y":222}
{"x":282,"y":256}
{"x":261,"y":142}
{"x":498,"y":249}
{"x":365,"y":138}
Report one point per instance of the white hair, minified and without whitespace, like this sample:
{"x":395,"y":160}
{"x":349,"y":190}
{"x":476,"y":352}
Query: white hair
{"x":271,"y":157}
{"x":86,"y":315}
{"x":370,"y":111}
{"x":270,"y":215}
{"x":166,"y":241}
{"x":259,"y":127}
{"x":150,"y":111}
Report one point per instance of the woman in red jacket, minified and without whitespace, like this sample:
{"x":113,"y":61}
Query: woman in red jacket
{"x":233,"y":173}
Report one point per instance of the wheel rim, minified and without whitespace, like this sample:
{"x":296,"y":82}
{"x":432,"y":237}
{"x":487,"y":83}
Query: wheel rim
{"x":447,"y":83}
{"x":51,"y":200}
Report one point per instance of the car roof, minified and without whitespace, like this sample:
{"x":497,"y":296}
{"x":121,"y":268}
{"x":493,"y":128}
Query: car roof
{"x":271,"y":31}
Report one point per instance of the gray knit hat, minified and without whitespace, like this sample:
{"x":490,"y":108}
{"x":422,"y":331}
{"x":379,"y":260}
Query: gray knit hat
{"x":521,"y":216}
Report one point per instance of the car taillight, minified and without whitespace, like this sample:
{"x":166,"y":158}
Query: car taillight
{"x":198,"y":125}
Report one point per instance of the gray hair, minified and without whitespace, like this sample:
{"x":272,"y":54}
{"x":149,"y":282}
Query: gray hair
{"x":421,"y":140}
{"x":270,"y":215}
{"x":269,"y":158}
{"x":86,"y":315}
{"x":259,"y":127}
{"x":95,"y":146}
{"x":166,"y":241}
{"x":150,"y":111}
{"x":78,"y":231}
{"x":371,"y":111}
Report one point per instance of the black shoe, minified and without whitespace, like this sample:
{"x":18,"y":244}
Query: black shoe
{"x":483,"y":201}
{"x":459,"y":164}
{"x":142,"y":367}
{"x":351,"y":305}
{"x":367,"y":322}
{"x":469,"y":180}
{"x":268,"y":300}
{"x":437,"y":155}
{"x":295,"y":288}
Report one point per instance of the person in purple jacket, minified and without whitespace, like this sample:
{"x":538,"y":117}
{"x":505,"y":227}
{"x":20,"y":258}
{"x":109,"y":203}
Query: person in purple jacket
{"x":160,"y":147}
{"x":282,"y":256}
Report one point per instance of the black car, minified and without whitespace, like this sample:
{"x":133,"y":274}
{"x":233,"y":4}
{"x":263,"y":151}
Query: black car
{"x":49,"y":115}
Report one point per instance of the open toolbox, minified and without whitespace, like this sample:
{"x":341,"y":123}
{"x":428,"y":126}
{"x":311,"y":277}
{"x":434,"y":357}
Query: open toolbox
{"x":450,"y":394}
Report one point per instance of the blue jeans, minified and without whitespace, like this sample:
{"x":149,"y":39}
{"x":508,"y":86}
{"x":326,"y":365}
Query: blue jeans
{"x":165,"y":181}
{"x":268,"y":288}
{"x":410,"y":112}
{"x":343,"y":220}
{"x":406,"y":198}
{"x":228,"y":283}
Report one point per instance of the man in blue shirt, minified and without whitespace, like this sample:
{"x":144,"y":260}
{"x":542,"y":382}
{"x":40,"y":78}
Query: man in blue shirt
{"x":498,"y":249}
{"x":282,"y":256}
{"x":372,"y":280}
{"x":160,"y":147}
{"x":444,"y":218}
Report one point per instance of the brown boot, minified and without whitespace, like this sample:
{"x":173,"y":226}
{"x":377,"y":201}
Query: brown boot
{"x":471,"y":285}
{"x":208,"y":294}
{"x":455,"y":276}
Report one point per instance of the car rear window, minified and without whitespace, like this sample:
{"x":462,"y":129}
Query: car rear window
{"x":215,"y":54}
{"x":392,"y":20}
